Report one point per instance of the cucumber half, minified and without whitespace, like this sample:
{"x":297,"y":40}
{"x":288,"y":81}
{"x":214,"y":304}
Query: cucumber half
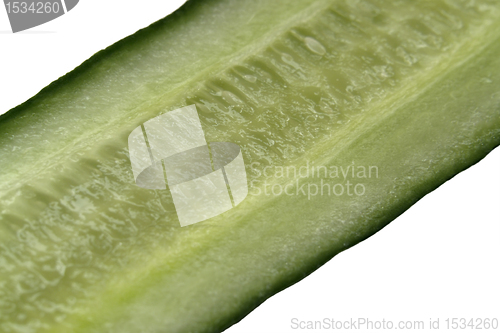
{"x":409,"y":88}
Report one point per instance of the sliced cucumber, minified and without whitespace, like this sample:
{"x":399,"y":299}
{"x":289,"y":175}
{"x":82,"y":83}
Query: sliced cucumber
{"x":409,"y":87}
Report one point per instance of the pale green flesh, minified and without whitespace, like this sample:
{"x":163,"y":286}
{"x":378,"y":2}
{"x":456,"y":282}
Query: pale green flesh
{"x":414,"y":92}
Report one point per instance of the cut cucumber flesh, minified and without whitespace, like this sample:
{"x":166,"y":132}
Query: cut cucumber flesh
{"x":410,"y":87}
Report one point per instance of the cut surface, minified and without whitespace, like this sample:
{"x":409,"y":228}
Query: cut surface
{"x":411,"y":89}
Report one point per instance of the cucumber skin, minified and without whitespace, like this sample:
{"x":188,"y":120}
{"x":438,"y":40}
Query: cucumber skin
{"x":472,"y":156}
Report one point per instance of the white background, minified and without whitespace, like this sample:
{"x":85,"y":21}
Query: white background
{"x":438,"y":260}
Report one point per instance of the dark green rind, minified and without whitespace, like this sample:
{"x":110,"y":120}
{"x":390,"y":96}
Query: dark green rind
{"x":143,"y":271}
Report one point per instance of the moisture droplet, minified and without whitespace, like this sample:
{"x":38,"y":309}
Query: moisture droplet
{"x":250,"y":78}
{"x":315,"y":46}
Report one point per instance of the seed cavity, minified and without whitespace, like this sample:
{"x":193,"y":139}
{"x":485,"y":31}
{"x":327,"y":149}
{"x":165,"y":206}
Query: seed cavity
{"x":315,"y":46}
{"x":250,"y":78}
{"x":230,"y":98}
{"x":288,"y":59}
